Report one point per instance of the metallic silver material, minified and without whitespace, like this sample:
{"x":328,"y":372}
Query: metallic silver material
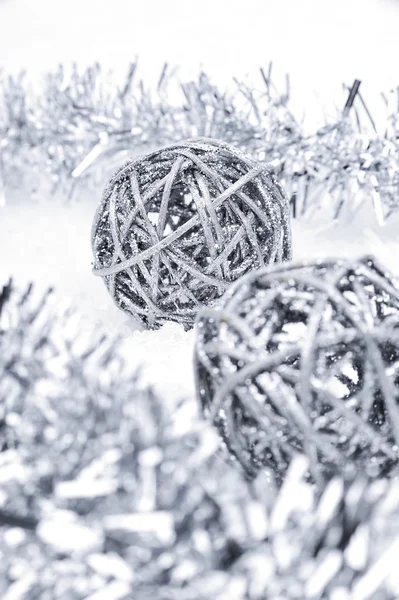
{"x":104,"y":487}
{"x":177,"y":226}
{"x":105,"y":492}
{"x":73,"y":132}
{"x":304,"y":357}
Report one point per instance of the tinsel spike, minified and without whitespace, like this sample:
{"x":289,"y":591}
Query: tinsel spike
{"x":129,"y":81}
{"x":351,"y":97}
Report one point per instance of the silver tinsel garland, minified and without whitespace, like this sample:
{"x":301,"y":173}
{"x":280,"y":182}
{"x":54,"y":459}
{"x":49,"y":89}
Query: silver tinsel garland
{"x":82,"y":124}
{"x":305,"y":357}
{"x":103,"y":488}
{"x":340,"y":543}
{"x":175,"y":227}
{"x":104,"y":494}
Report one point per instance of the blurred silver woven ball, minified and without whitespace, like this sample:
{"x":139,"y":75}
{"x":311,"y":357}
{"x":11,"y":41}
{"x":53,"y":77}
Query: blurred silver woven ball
{"x":305,"y":357}
{"x":177,"y":226}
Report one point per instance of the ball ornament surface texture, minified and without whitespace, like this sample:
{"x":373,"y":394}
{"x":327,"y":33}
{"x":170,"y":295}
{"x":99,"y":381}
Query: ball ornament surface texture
{"x":304,"y":357}
{"x":176,"y":227}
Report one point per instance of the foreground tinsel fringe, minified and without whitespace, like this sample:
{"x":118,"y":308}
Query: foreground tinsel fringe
{"x":102,"y":485}
{"x":105,"y":494}
{"x":80,"y":124}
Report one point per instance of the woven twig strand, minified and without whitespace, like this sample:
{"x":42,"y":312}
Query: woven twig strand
{"x":177,"y":226}
{"x":305,"y":357}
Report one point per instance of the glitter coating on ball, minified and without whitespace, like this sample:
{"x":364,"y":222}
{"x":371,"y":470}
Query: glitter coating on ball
{"x":305,"y":357}
{"x":176,"y":227}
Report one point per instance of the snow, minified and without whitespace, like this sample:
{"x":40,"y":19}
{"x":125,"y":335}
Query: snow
{"x":48,"y":241}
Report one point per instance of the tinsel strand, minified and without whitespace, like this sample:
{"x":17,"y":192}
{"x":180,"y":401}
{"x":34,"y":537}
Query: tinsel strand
{"x":82,"y":123}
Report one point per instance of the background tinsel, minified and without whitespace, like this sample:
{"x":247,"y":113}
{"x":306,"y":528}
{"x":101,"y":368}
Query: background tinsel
{"x":105,"y":493}
{"x":78,"y":124}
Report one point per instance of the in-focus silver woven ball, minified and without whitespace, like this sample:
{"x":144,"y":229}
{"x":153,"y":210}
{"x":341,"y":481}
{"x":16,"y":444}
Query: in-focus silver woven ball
{"x":305,"y":357}
{"x":177,"y":226}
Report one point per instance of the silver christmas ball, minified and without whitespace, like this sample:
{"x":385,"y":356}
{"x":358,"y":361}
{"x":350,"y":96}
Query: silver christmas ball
{"x":176,"y":227}
{"x":305,"y":357}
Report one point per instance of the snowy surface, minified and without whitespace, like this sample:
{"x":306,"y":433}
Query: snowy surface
{"x":49,"y":242}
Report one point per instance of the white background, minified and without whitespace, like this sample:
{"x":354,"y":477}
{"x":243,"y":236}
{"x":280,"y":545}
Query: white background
{"x":320,"y":43}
